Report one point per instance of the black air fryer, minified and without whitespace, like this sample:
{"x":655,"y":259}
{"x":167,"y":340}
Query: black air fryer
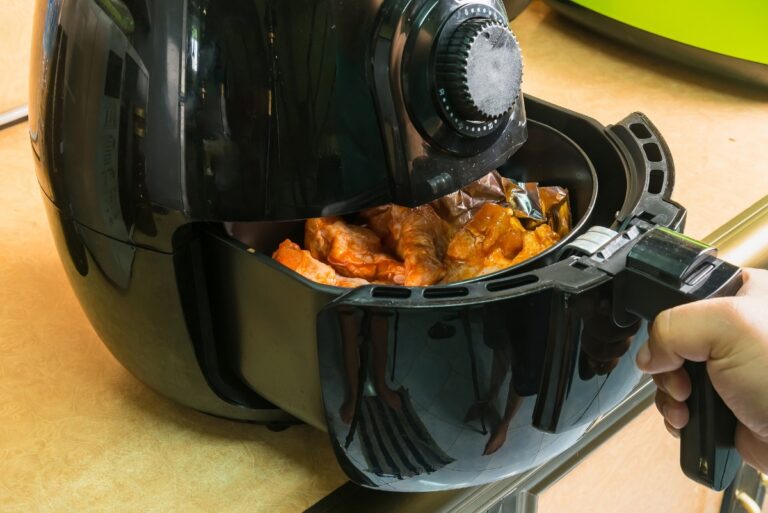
{"x":178,"y":142}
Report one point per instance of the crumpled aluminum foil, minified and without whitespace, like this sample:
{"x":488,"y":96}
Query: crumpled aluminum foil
{"x":532,"y":204}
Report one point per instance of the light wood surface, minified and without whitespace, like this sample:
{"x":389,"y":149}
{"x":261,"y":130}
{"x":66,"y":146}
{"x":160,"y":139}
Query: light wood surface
{"x":637,"y":471}
{"x":15,"y":37}
{"x":78,"y":433}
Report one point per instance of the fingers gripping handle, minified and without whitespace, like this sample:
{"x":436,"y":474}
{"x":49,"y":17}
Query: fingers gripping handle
{"x":664,"y":270}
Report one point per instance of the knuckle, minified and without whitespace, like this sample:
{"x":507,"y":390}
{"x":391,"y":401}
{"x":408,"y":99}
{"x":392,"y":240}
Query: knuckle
{"x":761,"y":432}
{"x":737,"y":317}
{"x":661,"y":400}
{"x":730,"y":311}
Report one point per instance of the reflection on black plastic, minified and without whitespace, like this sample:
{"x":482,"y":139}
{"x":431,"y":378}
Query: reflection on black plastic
{"x":421,"y":399}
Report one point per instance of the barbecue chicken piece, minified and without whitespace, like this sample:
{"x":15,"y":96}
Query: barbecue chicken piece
{"x":489,"y":242}
{"x":417,"y":235}
{"x":352,"y":250}
{"x":535,"y":242}
{"x":292,"y":256}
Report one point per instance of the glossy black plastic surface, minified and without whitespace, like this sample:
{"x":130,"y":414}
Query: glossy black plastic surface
{"x":104,"y":119}
{"x":133,"y":300}
{"x":607,"y":332}
{"x":707,"y":451}
{"x":456,"y":386}
{"x":427,"y":157}
{"x":429,"y":389}
{"x":113,"y":195}
{"x":198,"y":110}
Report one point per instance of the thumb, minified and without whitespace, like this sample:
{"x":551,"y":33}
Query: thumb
{"x":697,"y":332}
{"x":710,"y":329}
{"x":731,"y":336}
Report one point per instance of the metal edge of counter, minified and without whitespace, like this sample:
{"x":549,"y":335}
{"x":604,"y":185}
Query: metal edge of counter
{"x":13,"y":116}
{"x":743,"y":241}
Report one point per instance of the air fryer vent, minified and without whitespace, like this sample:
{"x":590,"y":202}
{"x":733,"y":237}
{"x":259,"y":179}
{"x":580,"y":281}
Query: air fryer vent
{"x":391,"y":292}
{"x":445,"y":292}
{"x":640,"y":131}
{"x":652,"y":151}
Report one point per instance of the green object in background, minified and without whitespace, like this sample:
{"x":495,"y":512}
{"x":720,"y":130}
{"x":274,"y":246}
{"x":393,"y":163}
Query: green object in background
{"x":736,"y":29}
{"x":119,"y":13}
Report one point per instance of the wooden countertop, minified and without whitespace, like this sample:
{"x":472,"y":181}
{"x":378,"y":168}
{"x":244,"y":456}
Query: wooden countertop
{"x":78,"y":433}
{"x":15,"y":37}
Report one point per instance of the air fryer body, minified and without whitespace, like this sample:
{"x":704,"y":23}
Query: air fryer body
{"x":148,"y":119}
{"x":160,"y":129}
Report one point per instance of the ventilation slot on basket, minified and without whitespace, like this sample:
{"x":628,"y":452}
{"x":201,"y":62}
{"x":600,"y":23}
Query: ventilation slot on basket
{"x":511,"y":283}
{"x":445,"y":292}
{"x":656,"y":181}
{"x":652,"y":151}
{"x":391,"y":292}
{"x":640,"y":130}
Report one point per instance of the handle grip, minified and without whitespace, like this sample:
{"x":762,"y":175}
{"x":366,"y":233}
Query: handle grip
{"x":664,"y":270}
{"x":707,"y":454}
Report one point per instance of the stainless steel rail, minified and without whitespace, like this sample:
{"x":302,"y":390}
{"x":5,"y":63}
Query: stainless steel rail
{"x":13,"y":116}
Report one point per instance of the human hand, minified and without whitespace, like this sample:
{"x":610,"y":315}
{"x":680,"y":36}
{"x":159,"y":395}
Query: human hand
{"x":731,"y":336}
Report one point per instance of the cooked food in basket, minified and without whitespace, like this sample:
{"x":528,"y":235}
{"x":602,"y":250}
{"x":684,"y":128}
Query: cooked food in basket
{"x":492,"y":224}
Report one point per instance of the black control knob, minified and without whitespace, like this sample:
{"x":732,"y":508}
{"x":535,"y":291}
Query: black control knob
{"x":478,"y":73}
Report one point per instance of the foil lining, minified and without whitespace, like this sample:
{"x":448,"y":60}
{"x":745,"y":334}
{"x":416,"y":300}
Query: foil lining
{"x":532,"y":204}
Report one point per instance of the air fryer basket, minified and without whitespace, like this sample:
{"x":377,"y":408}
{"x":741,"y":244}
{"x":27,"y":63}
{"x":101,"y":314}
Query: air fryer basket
{"x":263,"y":315}
{"x":549,"y":158}
{"x":265,"y":320}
